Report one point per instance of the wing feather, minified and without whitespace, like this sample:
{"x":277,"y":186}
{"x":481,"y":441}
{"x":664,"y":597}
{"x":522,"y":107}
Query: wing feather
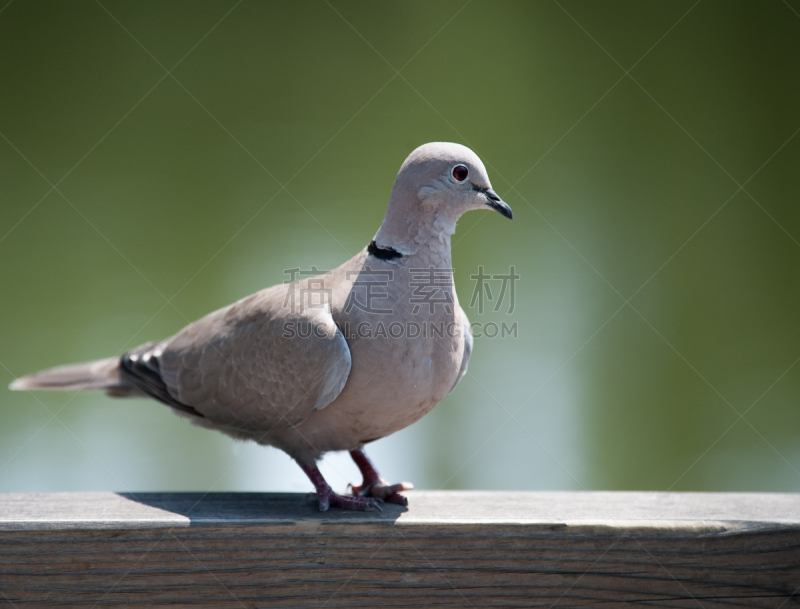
{"x":257,"y":364}
{"x":468,"y":340}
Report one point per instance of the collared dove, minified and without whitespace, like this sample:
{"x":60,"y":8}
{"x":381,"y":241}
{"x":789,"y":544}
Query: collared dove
{"x":330,"y":362}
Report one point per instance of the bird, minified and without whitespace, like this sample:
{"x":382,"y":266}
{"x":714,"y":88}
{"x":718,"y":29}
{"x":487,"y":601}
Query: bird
{"x":328,"y":362}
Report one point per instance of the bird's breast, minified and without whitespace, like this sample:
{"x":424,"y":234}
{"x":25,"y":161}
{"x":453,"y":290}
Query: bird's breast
{"x":404,"y":330}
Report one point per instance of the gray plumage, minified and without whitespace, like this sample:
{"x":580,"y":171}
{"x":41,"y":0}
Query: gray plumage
{"x":288,"y":367}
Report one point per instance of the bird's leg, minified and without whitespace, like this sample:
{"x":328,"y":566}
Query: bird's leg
{"x":374,"y":485}
{"x":327,"y":497}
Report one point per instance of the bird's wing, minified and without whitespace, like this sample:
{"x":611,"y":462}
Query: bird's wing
{"x":257,"y":364}
{"x":467,"y":329}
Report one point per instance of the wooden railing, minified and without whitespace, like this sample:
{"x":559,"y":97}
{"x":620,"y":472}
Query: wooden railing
{"x":459,"y":549}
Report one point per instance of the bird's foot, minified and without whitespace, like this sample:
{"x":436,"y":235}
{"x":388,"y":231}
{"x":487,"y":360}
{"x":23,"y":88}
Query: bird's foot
{"x":364,"y":504}
{"x":380,"y":489}
{"x":374,"y":485}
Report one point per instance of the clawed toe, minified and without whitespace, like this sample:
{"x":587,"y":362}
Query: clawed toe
{"x":397,"y":498}
{"x":390,"y":493}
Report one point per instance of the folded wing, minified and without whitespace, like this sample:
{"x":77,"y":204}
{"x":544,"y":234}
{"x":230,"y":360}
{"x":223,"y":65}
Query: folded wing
{"x":256,"y":364}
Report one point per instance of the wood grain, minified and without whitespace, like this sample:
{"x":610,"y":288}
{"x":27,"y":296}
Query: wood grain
{"x":455,"y":549}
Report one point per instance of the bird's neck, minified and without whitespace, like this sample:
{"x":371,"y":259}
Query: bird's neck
{"x":417,"y":228}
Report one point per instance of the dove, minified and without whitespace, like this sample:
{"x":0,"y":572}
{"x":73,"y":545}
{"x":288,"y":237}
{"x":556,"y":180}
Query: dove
{"x":329,"y":362}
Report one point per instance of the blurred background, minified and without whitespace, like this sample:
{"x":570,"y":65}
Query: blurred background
{"x":161,"y":159}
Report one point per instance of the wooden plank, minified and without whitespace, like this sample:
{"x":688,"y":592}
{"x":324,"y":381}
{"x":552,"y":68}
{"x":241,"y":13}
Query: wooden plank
{"x":460,"y":549}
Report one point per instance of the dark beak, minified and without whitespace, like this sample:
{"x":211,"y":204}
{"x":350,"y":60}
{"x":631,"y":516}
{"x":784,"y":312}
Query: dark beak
{"x":497,"y":203}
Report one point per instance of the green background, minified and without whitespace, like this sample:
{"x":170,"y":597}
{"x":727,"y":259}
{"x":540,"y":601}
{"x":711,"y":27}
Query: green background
{"x":159,"y":160}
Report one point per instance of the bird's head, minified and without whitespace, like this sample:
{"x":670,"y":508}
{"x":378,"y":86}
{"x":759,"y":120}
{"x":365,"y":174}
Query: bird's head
{"x":435,"y":185}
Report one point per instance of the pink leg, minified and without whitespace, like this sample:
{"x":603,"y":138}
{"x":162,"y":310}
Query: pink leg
{"x":374,"y":485}
{"x":327,"y":497}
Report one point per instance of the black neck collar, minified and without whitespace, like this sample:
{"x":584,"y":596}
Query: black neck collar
{"x":382,"y":253}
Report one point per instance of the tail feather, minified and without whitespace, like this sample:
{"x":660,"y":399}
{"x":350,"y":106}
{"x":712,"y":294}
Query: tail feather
{"x":99,"y":374}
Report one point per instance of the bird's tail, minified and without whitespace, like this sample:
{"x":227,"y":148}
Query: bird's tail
{"x":99,"y":374}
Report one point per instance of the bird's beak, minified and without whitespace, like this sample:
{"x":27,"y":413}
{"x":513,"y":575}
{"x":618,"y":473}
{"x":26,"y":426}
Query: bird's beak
{"x":498,"y":204}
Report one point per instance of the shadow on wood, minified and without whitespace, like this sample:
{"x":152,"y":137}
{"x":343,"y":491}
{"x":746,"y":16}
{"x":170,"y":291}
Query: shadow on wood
{"x":459,"y":549}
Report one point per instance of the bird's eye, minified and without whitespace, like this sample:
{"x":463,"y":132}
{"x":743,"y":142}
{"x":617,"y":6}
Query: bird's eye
{"x":460,"y":173}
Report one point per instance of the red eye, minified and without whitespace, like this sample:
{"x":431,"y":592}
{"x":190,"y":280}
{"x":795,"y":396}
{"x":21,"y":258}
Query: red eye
{"x":460,"y":173}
